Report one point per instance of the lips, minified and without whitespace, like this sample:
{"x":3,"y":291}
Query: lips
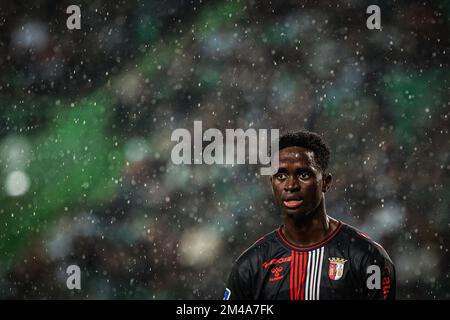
{"x":291,"y":204}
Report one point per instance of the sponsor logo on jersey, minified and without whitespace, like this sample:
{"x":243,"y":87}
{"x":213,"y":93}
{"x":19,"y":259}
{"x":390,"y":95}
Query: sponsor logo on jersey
{"x":276,"y":261}
{"x":227,"y":294}
{"x":386,"y":283}
{"x":276,"y":272}
{"x":336,"y":268}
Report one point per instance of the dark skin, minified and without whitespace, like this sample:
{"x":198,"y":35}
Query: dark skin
{"x":299,"y":188}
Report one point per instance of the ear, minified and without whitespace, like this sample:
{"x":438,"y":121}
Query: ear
{"x":326,"y":182}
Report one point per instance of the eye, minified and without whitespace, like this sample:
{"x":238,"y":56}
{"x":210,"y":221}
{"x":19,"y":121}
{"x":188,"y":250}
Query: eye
{"x":304,"y":175}
{"x":281,"y":176}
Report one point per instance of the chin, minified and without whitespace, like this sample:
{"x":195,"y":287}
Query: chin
{"x":299,"y":215}
{"x":296,"y":213}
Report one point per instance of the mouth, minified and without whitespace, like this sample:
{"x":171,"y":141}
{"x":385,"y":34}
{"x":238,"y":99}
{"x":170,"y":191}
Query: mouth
{"x":292,"y":204}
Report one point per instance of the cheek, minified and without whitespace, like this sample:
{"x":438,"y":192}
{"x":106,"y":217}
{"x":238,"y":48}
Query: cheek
{"x":313,"y":189}
{"x":277,"y":190}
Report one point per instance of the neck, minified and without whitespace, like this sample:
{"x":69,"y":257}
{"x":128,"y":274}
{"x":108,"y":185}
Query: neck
{"x":310,"y":230}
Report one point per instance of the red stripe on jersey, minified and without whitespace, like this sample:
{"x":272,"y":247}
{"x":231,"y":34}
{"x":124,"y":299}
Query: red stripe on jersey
{"x":299,"y":266}
{"x":300,"y":275}
{"x":291,"y":276}
{"x":296,"y":277}
{"x":363,"y":235}
{"x":302,"y":284}
{"x":297,"y":269}
{"x":303,"y":257}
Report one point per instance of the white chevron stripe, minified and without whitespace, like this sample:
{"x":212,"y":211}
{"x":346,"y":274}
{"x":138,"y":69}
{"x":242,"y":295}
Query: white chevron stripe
{"x":319,"y":273}
{"x":313,"y":274}
{"x":308,"y":279}
{"x":313,"y":269}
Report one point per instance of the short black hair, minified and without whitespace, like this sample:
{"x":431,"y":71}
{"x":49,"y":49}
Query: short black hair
{"x":309,"y":140}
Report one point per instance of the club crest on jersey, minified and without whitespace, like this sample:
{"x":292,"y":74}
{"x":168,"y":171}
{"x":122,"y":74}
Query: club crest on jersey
{"x":336,"y":268}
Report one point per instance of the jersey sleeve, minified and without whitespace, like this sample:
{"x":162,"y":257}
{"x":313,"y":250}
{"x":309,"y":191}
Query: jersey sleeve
{"x":378,"y":274}
{"x":239,"y":285}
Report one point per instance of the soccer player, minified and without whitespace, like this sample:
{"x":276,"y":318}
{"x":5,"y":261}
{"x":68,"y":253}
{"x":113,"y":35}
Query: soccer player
{"x":311,"y":256}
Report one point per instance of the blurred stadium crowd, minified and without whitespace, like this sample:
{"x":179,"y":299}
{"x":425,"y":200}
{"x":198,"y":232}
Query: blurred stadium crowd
{"x":86,"y":118}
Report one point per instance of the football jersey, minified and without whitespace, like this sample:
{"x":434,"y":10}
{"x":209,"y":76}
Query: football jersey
{"x":345,"y":265}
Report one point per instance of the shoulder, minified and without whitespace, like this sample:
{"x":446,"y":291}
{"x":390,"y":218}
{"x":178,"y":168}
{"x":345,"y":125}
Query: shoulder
{"x":363,"y":245}
{"x":258,"y":250}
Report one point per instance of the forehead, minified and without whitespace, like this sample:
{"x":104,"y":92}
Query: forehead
{"x":297,"y":156}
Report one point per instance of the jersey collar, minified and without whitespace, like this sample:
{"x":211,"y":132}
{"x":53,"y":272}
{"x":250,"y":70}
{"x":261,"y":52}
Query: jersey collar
{"x":315,"y":246}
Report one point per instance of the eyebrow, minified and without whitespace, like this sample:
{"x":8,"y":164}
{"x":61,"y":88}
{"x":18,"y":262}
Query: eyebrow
{"x":282,"y":169}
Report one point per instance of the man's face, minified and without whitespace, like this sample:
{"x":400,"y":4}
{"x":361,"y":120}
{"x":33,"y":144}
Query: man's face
{"x":299,"y":184}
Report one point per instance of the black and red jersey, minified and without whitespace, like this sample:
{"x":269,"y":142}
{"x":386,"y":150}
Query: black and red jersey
{"x":345,"y":265}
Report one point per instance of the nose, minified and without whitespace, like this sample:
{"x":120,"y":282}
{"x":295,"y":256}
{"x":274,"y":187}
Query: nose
{"x":291,"y":185}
